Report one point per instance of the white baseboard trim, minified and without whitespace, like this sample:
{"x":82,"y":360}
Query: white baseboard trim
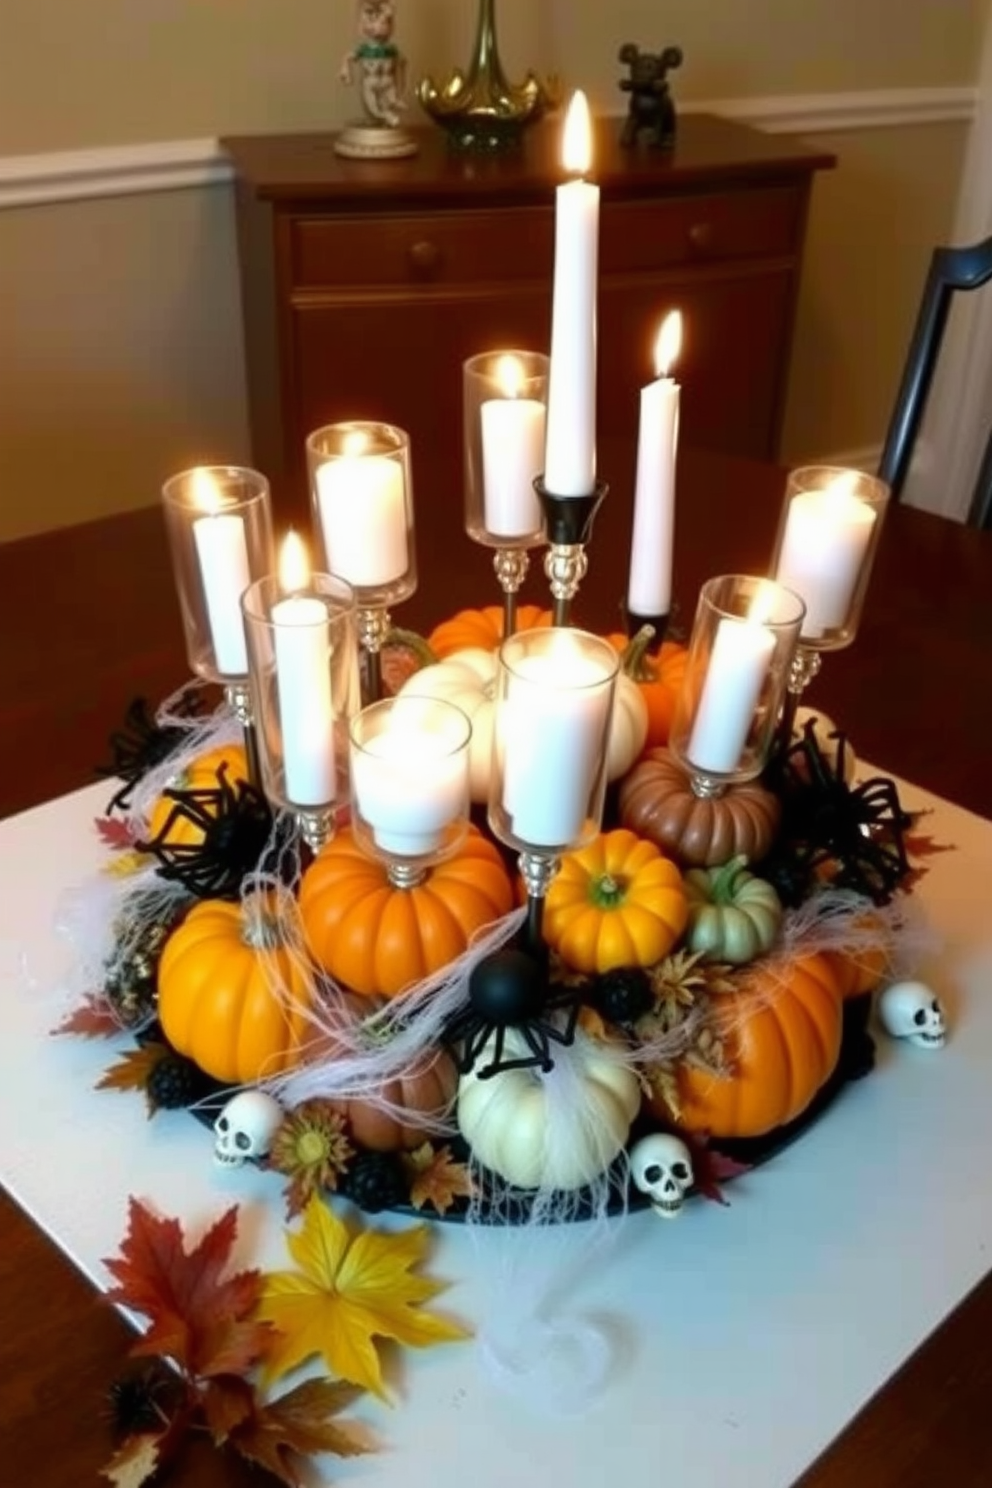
{"x":114,"y":170}
{"x":171,"y":165}
{"x":831,"y":113}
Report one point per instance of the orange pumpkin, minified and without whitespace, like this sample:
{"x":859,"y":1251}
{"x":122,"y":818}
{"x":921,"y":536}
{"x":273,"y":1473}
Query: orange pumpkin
{"x":782,"y":1037}
{"x":482,"y":629}
{"x":659,"y":674}
{"x":427,"y":1090}
{"x":860,"y":971}
{"x":378,"y":938}
{"x":230,"y":996}
{"x":616,"y":902}
{"x":200,"y":774}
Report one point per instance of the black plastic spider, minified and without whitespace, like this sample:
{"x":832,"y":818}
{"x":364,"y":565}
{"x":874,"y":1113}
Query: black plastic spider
{"x":236,"y":826}
{"x":141,"y":744}
{"x":509,"y":989}
{"x":856,"y":832}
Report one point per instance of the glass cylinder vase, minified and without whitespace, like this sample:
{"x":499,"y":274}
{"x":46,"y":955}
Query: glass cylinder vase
{"x":362,"y":496}
{"x":504,"y":407}
{"x":554,"y":705}
{"x":743,"y":641}
{"x":827,"y":539}
{"x":410,"y":779}
{"x":218,"y":520}
{"x":303,"y":657}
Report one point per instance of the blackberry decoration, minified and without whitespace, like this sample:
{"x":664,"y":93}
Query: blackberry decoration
{"x":172,"y":1084}
{"x":623,"y":995}
{"x":375,"y":1181}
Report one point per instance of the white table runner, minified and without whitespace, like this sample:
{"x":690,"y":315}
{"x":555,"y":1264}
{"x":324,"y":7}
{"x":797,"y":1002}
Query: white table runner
{"x":745,"y":1337}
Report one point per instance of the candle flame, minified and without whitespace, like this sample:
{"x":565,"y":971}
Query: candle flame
{"x":294,"y":563}
{"x":510,"y":376}
{"x":844,"y":484}
{"x":763,"y":605}
{"x":668,"y":344}
{"x":576,"y":151}
{"x":355,"y":442}
{"x":206,"y":492}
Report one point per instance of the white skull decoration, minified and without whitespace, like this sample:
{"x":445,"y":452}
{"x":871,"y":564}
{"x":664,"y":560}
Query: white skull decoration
{"x":662,"y":1168}
{"x":245,"y":1128}
{"x":910,"y":1010}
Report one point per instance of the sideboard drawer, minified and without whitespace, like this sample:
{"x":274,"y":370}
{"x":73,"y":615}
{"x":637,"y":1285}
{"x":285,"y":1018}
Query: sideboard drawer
{"x":463,"y":247}
{"x":638,"y":236}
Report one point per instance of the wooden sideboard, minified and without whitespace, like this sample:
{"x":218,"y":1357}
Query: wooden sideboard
{"x":366,"y":285}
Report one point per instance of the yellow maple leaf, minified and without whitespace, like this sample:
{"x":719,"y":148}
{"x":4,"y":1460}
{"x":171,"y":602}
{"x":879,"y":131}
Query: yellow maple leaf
{"x":126,"y":863}
{"x":349,"y":1290}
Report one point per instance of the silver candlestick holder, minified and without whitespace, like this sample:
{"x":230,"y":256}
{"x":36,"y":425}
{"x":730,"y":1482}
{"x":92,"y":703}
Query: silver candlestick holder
{"x":568,"y":522}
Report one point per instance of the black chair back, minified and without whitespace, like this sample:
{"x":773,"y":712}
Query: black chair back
{"x":951,"y":269}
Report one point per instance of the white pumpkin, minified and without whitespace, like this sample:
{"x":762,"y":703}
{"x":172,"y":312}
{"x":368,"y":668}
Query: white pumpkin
{"x":554,"y":1131}
{"x":468,"y":679}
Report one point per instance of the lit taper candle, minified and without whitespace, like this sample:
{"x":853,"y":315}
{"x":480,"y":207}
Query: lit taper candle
{"x":570,"y":454}
{"x":649,"y":591}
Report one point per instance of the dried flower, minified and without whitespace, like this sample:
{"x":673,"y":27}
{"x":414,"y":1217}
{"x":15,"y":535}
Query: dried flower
{"x":312,"y":1148}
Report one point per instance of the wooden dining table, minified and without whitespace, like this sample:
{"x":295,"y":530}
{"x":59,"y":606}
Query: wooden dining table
{"x":89,"y":620}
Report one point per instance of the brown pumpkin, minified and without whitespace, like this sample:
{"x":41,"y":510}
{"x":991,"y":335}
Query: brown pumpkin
{"x":377,"y":938}
{"x":427,"y":1090}
{"x":482,"y":629}
{"x":782,"y":1036}
{"x":657,"y":801}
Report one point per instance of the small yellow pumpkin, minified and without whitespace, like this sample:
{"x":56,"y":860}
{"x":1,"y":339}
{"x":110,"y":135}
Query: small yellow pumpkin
{"x":203,"y":773}
{"x":230,"y":996}
{"x":617,"y":902}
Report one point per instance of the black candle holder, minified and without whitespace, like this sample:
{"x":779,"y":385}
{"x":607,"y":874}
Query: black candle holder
{"x":568,"y":523}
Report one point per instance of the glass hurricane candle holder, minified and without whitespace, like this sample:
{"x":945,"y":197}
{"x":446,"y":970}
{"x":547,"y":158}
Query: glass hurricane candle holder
{"x":362,"y":496}
{"x":743,"y":642}
{"x":828,"y":535}
{"x":504,"y":408}
{"x":303,"y":659}
{"x":218,"y":521}
{"x":410,"y":783}
{"x":554,"y":705}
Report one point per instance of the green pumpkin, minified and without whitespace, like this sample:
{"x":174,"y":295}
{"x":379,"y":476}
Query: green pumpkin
{"x":733,"y":916}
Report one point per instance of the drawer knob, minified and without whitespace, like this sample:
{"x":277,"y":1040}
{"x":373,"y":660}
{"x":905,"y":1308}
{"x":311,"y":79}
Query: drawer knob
{"x":425,"y":256}
{"x":701,"y":236}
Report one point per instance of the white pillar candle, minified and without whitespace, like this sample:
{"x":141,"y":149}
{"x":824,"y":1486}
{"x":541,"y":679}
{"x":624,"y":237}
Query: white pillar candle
{"x":363,"y":518}
{"x":553,"y":729}
{"x":649,"y":590}
{"x":570,"y":456}
{"x":513,"y":432}
{"x":222,"y":553}
{"x":303,"y":684}
{"x":827,"y":533}
{"x":409,"y":786}
{"x":739,"y":661}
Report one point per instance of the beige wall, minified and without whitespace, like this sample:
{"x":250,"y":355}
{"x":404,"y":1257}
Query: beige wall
{"x":120,"y":353}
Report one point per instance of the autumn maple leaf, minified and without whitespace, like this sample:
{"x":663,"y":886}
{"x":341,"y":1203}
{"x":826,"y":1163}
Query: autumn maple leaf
{"x":115,"y":833}
{"x":135,"y":1460}
{"x":280,"y":1434}
{"x":349,"y":1290}
{"x":93,"y":1018}
{"x":197,"y":1316}
{"x":132,"y":1070}
{"x":435,"y":1178}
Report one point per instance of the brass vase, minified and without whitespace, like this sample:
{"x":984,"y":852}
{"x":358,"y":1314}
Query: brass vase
{"x":481,"y":110}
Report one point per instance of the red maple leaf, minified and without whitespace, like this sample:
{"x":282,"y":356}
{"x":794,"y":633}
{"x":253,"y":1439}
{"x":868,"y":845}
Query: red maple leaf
{"x":94,"y":1018}
{"x":710,"y":1168}
{"x":115,"y":833}
{"x":197,"y":1316}
{"x":281,"y":1435}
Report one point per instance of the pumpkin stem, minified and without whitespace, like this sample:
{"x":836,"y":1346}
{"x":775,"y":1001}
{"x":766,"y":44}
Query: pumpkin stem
{"x":634,"y":658}
{"x":723,"y":881}
{"x":608,"y":891}
{"x":414,"y":642}
{"x":260,"y":927}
